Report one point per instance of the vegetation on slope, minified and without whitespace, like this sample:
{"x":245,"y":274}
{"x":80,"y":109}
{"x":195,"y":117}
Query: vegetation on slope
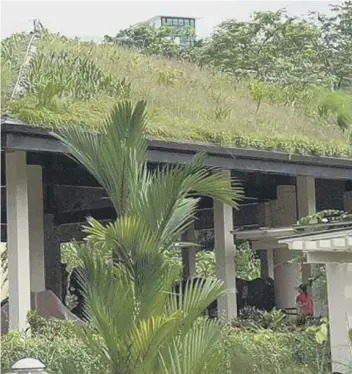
{"x":73,"y":82}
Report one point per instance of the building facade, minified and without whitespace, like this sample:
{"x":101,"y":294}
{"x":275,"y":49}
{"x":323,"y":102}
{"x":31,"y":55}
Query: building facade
{"x":175,"y":23}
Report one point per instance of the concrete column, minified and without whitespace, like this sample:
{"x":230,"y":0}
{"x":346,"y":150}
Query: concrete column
{"x":306,"y":205}
{"x":306,"y":196}
{"x":287,"y":278}
{"x":339,"y":280}
{"x":287,"y":274}
{"x":347,"y":201}
{"x":189,"y":254}
{"x":18,"y":240}
{"x":36,"y":229}
{"x":52,"y":256}
{"x":225,"y":256}
{"x":269,"y":254}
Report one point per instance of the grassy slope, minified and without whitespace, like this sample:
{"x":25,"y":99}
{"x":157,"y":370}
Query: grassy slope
{"x":182,"y":104}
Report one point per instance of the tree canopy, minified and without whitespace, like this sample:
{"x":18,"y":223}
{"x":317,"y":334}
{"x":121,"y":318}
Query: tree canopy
{"x":271,"y":46}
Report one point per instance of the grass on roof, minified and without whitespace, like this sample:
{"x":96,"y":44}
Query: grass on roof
{"x":73,"y":82}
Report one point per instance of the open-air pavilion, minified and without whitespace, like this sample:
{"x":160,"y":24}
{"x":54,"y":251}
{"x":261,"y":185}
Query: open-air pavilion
{"x":48,"y":196}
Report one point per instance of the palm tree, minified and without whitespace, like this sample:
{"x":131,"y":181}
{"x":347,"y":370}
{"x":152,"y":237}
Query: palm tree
{"x":142,"y":326}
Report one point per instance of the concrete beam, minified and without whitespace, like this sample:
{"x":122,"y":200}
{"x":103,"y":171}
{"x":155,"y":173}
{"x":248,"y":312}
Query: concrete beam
{"x":329,"y":257}
{"x":22,"y":137}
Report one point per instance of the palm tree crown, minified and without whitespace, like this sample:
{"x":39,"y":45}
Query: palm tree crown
{"x":142,"y":326}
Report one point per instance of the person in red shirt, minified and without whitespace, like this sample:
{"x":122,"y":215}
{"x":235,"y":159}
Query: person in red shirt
{"x":304,"y":303}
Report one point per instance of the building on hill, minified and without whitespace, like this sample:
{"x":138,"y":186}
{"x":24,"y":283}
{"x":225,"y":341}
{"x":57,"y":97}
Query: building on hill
{"x":175,"y":23}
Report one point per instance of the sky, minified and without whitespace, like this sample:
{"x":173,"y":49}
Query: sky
{"x":94,"y":19}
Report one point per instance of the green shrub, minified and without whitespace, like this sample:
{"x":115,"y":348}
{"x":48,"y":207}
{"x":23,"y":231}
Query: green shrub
{"x":261,"y":351}
{"x":269,"y":352}
{"x":52,"y":342}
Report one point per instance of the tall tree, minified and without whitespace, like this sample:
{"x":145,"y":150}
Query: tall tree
{"x":271,"y":46}
{"x":336,"y":39}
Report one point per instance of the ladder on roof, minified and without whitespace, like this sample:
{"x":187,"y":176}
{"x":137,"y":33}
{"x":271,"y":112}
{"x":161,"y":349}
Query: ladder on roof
{"x":30,"y":53}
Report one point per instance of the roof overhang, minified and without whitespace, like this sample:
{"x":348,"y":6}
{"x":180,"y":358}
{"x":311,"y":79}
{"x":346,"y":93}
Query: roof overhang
{"x":331,"y":246}
{"x":264,"y":238}
{"x":264,"y":233}
{"x":16,"y":135}
{"x":327,"y":241}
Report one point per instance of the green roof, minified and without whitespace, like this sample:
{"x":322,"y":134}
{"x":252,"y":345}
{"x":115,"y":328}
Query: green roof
{"x":73,"y":82}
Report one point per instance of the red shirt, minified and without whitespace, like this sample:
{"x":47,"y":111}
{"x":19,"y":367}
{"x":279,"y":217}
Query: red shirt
{"x":306,"y":302}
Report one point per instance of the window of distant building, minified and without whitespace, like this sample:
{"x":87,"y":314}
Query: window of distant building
{"x":180,"y":22}
{"x":186,"y":22}
{"x":191,"y":22}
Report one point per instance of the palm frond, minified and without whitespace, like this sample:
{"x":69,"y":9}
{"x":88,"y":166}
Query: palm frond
{"x":115,"y":157}
{"x":198,"y":352}
{"x":109,"y":305}
{"x":194,"y":299}
{"x":147,"y":338}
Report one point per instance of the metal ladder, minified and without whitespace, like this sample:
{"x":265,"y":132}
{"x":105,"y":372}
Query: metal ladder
{"x":30,"y":53}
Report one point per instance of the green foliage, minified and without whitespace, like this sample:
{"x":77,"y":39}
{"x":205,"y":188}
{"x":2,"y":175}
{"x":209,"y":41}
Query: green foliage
{"x":4,"y":265}
{"x":276,"y":48}
{"x":157,"y":41}
{"x":167,"y":76}
{"x":253,"y":319}
{"x":325,"y":216}
{"x":265,"y":351}
{"x":222,"y":112}
{"x":248,"y":351}
{"x":320,"y":332}
{"x":13,"y":50}
{"x":64,"y":75}
{"x":51,"y":342}
{"x":183,"y":108}
{"x":141,"y":325}
{"x":247,"y":265}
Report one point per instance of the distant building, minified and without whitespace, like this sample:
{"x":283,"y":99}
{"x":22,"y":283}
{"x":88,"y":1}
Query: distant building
{"x":174,"y":23}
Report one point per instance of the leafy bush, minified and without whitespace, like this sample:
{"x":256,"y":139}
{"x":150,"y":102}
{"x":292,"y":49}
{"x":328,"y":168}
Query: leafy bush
{"x":270,"y":352}
{"x":262,"y":351}
{"x":52,"y":342}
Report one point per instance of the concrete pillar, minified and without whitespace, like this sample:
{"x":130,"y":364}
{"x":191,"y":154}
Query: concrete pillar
{"x":36,"y":229}
{"x":347,"y":201}
{"x":287,"y":274}
{"x":225,"y":256}
{"x":306,"y":196}
{"x":52,"y":256}
{"x":287,"y":278}
{"x":267,"y":264}
{"x":18,"y":240}
{"x":339,"y":280}
{"x":189,"y":254}
{"x":306,"y":205}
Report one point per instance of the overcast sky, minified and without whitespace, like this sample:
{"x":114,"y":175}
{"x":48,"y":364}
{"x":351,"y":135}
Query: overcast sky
{"x":94,"y":19}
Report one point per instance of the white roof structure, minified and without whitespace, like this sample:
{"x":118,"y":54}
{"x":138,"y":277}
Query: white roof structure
{"x":329,"y":246}
{"x":338,"y":240}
